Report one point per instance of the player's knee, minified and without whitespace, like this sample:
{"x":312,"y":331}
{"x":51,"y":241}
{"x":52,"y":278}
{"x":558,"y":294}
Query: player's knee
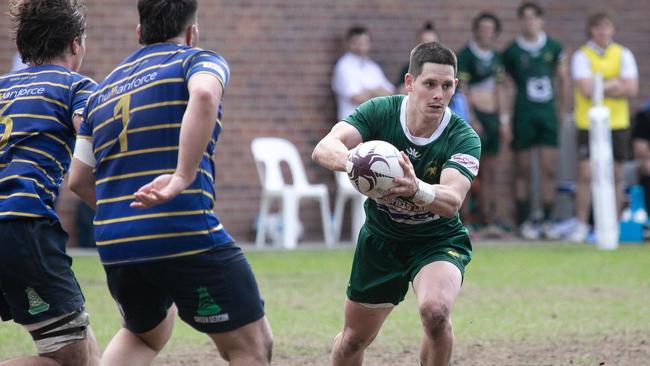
{"x":76,"y":354}
{"x":65,"y":340}
{"x":263,"y":350}
{"x":53,"y":335}
{"x":352,"y":343}
{"x":435,"y":318}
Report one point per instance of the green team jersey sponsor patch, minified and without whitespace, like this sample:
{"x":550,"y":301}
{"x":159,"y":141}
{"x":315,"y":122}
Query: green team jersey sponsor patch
{"x":453,"y":145}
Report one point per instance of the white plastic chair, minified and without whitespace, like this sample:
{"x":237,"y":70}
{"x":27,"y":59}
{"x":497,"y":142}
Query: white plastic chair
{"x":269,"y":154}
{"x":346,"y":192}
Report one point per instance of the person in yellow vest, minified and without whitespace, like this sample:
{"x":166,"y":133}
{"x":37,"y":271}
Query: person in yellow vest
{"x":620,"y":74}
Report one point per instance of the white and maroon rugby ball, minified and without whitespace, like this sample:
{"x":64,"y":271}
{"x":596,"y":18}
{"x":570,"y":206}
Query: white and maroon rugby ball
{"x":372,"y":166}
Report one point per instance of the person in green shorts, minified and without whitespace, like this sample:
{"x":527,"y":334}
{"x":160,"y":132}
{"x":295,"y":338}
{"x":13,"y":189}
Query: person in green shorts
{"x":414,"y":234}
{"x":480,"y":74}
{"x":534,"y":60}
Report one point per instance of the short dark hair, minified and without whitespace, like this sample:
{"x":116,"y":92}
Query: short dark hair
{"x":44,"y":28}
{"x":530,"y":5}
{"x":486,"y":15}
{"x":356,"y":30}
{"x":161,"y":20}
{"x":433,"y":52}
{"x":598,"y":16}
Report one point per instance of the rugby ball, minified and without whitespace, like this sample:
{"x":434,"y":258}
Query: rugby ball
{"x":372,"y":166}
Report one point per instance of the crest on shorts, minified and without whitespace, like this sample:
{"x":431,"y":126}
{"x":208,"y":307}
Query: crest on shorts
{"x":207,"y":306}
{"x":36,"y":304}
{"x":208,"y":311}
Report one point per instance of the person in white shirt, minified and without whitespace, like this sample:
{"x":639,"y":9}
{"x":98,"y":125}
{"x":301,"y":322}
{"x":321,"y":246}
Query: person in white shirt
{"x":620,"y":83}
{"x":356,"y":77}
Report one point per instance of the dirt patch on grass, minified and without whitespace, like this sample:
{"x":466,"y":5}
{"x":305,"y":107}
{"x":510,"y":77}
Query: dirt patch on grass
{"x":613,"y":349}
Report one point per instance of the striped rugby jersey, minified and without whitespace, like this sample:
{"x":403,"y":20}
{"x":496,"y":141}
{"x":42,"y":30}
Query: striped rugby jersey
{"x":37,"y":137}
{"x":134,"y":119}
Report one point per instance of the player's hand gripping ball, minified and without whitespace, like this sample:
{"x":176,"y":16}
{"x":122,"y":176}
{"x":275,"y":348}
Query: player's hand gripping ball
{"x":372,"y":166}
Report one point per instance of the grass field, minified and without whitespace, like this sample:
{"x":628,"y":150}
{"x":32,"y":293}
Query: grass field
{"x":518,"y":303}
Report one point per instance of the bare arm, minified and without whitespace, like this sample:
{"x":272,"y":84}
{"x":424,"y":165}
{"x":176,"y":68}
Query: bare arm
{"x":563,"y":78}
{"x":612,"y":88}
{"x":81,"y":179}
{"x":448,"y":196}
{"x":630,"y":88}
{"x":76,"y":122}
{"x":196,"y":130}
{"x":82,"y":182}
{"x":332,"y":151}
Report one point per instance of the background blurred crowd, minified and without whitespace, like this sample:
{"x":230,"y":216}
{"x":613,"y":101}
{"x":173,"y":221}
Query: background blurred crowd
{"x":284,"y":84}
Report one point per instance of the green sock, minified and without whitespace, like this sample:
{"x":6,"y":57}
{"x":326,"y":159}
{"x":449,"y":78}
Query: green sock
{"x":523,"y":209}
{"x":547,"y":208}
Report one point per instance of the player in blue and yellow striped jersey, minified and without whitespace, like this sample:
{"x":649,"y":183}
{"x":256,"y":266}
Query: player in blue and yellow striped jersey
{"x":40,"y":109}
{"x":146,"y":143}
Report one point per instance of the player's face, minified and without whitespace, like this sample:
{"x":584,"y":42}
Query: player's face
{"x":360,"y":44}
{"x":486,"y":33}
{"x":432,"y":90}
{"x":603,"y":32}
{"x":530,"y":22}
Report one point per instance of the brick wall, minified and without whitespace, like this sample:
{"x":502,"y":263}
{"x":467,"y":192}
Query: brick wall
{"x":281,"y":53}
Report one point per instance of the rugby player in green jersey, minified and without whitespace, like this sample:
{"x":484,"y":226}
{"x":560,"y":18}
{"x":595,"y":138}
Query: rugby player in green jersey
{"x":413,"y":235}
{"x":481,"y":75}
{"x":534,"y":60}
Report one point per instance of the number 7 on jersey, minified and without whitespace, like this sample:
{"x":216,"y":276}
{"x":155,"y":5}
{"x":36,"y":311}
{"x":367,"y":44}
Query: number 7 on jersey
{"x":121,"y":111}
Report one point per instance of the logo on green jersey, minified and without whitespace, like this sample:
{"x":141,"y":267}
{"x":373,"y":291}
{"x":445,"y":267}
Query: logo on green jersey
{"x":431,"y":171}
{"x":36,"y":304}
{"x":548,"y":57}
{"x":207,"y":306}
{"x":412,"y":153}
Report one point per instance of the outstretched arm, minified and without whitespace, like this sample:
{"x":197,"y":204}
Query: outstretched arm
{"x":196,"y":129}
{"x":332,"y":151}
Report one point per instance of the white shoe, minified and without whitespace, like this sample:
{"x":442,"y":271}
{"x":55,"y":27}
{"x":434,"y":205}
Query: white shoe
{"x":550,"y":231}
{"x":530,"y":231}
{"x":579,"y":233}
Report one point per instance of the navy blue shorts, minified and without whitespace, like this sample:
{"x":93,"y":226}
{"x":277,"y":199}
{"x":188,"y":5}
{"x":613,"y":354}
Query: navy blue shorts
{"x":36,"y":278}
{"x":215,"y":291}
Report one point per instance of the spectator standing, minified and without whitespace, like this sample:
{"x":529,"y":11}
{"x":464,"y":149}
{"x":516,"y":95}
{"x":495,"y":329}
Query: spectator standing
{"x":620,"y":82}
{"x":356,"y":77}
{"x":480,"y":74}
{"x":534,"y":60}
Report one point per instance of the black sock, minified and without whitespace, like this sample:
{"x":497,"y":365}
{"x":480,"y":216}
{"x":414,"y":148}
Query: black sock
{"x":523,"y":209}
